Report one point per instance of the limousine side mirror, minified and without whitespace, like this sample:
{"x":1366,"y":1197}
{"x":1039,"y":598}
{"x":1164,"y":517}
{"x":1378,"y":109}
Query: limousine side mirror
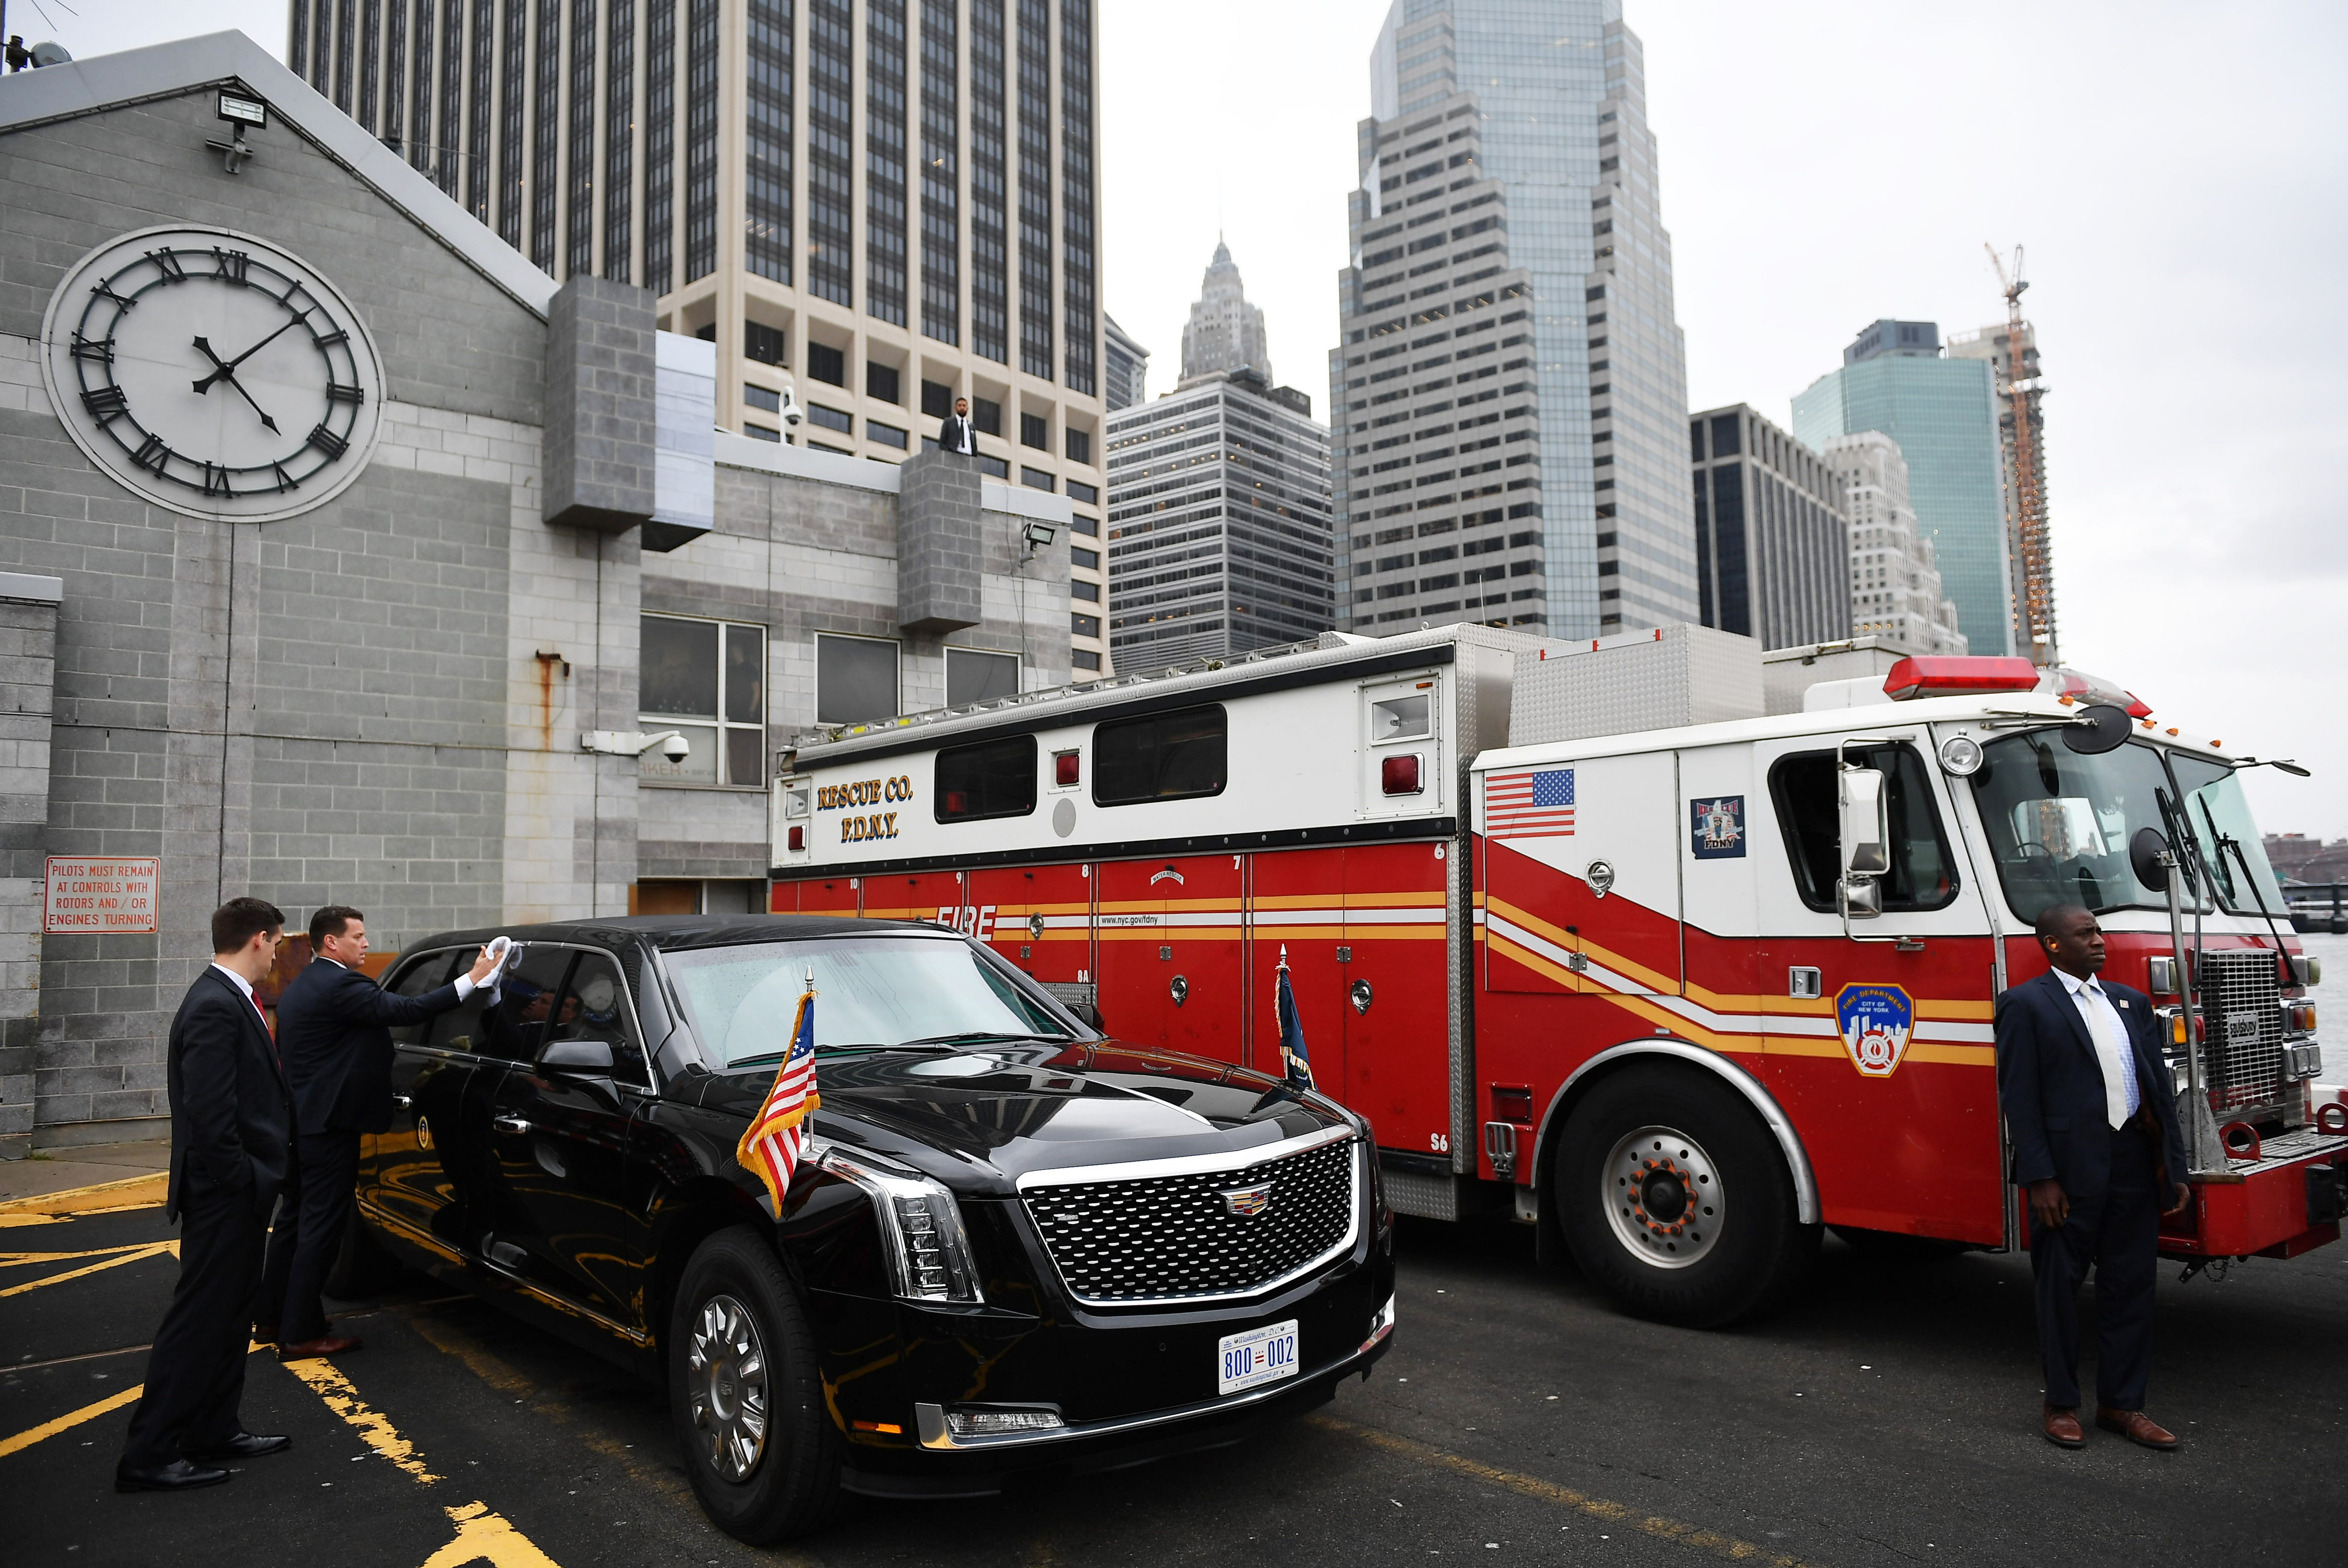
{"x":578,"y":1056}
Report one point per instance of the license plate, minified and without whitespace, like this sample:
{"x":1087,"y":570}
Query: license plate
{"x":1260,"y":1356}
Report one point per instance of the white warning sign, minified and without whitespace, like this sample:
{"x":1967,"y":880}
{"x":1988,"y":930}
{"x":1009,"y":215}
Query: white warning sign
{"x":99,"y":894}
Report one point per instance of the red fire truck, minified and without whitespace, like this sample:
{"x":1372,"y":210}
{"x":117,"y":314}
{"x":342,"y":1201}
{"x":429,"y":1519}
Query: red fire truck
{"x":1677,"y":950}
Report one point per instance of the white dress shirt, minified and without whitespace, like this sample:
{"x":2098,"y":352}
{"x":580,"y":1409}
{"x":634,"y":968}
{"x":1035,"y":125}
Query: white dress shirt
{"x":2121,"y":1096}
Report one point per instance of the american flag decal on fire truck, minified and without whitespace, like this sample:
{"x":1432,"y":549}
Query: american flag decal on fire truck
{"x":1522,"y":805}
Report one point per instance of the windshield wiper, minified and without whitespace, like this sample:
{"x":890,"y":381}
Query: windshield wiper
{"x":979,"y":1036}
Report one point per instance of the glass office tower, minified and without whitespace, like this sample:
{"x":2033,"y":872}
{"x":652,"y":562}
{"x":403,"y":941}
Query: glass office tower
{"x":1535,"y":477}
{"x":1944,"y":413}
{"x":889,"y":202}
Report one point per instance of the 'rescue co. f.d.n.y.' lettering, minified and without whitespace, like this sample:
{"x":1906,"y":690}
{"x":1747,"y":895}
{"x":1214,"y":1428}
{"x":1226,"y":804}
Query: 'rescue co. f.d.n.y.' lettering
{"x":879,"y":825}
{"x":863,"y":792}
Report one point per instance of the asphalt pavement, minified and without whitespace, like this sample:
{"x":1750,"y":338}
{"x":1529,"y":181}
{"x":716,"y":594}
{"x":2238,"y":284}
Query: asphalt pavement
{"x":1887,"y":1416}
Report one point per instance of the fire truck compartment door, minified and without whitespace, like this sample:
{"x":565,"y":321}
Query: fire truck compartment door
{"x":1039,"y":917}
{"x":1582,"y":880}
{"x":1163,"y":918}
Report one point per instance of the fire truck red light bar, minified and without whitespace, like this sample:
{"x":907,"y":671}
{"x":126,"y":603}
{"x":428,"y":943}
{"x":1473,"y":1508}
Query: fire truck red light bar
{"x":1948,"y":674}
{"x":798,"y":839}
{"x":1399,"y":775}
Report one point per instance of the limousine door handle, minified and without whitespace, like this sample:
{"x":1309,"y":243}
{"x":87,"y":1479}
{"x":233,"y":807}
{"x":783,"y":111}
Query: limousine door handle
{"x":509,"y":1124}
{"x":403,"y":1101}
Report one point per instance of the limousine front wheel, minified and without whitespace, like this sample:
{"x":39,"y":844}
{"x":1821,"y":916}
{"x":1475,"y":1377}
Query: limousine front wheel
{"x":746,"y":1396}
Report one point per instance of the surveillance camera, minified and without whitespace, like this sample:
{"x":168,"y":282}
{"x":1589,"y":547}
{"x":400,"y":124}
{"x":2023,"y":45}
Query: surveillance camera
{"x":676,"y":748}
{"x":791,"y":414}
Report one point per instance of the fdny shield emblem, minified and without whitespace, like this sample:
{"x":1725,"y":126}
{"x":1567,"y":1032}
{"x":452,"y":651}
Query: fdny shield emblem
{"x":1246,"y":1200}
{"x":1875,"y":1022}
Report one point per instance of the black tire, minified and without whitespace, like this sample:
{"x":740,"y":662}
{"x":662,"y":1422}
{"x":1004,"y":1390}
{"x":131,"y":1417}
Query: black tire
{"x":1892,"y":1249}
{"x":790,"y":1484}
{"x":1713,"y":1184}
{"x":363,"y":1265}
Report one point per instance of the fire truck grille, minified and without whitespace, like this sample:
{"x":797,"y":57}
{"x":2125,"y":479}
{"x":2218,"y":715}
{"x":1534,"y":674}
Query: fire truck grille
{"x":2241,"y":1011}
{"x":1181,"y":1238}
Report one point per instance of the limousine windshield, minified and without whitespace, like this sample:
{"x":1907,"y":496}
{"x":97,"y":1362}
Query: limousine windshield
{"x":871,"y":992}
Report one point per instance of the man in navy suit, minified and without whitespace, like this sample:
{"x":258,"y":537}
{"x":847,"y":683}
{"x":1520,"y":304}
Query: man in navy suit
{"x":2090,"y":1107}
{"x":333,"y":1025}
{"x":232,"y":1125}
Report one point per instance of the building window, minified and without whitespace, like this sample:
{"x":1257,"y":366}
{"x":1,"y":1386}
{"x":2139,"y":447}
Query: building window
{"x":1081,"y":446}
{"x":992,"y":779}
{"x":762,"y":433}
{"x":883,"y":382}
{"x":767,"y":147}
{"x":1080,"y":589}
{"x":660,"y":140}
{"x":995,"y":467}
{"x":511,"y":77}
{"x":1083,"y":625}
{"x":766,"y":344}
{"x":884,"y":161}
{"x":855,"y":679}
{"x":827,"y":365}
{"x":1035,"y":431}
{"x":707,"y":681}
{"x":987,"y":415}
{"x":1078,"y":520}
{"x":937,"y":399}
{"x":1034,"y":478}
{"x":1036,"y":188}
{"x":940,"y":154}
{"x":1076,"y":191}
{"x":620,"y":141}
{"x":830,"y":419}
{"x":448,"y":152}
{"x":546,"y":145}
{"x":830,"y":137}
{"x":1163,"y":756}
{"x":1080,"y":659}
{"x":990,"y":292}
{"x":886,"y":435}
{"x":974,"y":676}
{"x":701,"y":140}
{"x":1087,"y":559}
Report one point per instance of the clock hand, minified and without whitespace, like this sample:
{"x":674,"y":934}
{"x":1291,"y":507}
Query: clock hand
{"x":227,"y":371}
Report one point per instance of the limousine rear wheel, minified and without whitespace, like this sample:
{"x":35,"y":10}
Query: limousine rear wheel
{"x":1675,"y":1200}
{"x":745,"y":1394}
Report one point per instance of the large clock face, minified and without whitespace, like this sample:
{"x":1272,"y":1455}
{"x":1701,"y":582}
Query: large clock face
{"x":212,"y":373}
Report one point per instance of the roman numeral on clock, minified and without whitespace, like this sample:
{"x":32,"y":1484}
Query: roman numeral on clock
{"x":152,"y":454}
{"x":230,"y":265}
{"x":338,"y":393}
{"x":285,"y":482}
{"x":329,"y":339}
{"x":328,"y":442}
{"x":168,"y":263}
{"x":100,"y":349}
{"x":105,"y":403}
{"x":105,"y":291}
{"x":216,"y":480}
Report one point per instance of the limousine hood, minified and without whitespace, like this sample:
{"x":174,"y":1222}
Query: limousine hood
{"x":978,"y":1120}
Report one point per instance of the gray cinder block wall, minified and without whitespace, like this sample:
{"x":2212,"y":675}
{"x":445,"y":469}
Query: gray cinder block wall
{"x":938,"y":548}
{"x":29,"y":664}
{"x":601,"y":413}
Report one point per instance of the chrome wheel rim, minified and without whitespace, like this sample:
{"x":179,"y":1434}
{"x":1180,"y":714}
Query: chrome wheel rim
{"x":1663,"y":1198}
{"x":725,"y":1380}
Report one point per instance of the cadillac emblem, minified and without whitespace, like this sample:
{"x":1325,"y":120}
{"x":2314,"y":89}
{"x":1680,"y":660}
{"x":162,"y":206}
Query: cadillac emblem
{"x":1246,"y":1200}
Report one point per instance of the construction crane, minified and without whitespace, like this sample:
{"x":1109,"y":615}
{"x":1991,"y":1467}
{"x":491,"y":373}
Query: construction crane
{"x":2034,"y":607}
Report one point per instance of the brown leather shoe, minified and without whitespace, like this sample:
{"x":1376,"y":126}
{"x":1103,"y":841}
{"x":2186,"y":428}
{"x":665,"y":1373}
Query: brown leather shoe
{"x":2063,"y":1428}
{"x":325,"y":1345}
{"x":2137,"y":1428}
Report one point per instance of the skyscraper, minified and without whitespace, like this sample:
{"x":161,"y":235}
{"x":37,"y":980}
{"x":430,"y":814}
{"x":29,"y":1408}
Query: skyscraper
{"x":1895,"y":584}
{"x":1944,"y":413}
{"x":1772,"y":546}
{"x":1994,"y":344}
{"x":1224,"y":332}
{"x":1508,"y":395}
{"x":1127,"y":365}
{"x":892,"y":202}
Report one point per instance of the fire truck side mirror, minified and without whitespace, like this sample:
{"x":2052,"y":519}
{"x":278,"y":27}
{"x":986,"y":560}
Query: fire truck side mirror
{"x":1866,"y":827}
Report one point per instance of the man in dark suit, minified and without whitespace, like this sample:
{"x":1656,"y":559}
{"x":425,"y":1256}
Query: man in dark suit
{"x":956,"y":434}
{"x":2096,"y":1144}
{"x":334,"y":1028}
{"x":232,"y":1125}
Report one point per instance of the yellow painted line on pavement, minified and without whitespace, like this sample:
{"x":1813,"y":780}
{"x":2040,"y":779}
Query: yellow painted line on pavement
{"x":31,"y":1435}
{"x":1597,"y":1508}
{"x":375,"y":1429}
{"x":124,"y":1193}
{"x":484,"y":1536}
{"x":134,"y":1254}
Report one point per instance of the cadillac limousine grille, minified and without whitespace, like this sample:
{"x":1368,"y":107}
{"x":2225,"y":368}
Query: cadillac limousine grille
{"x":1200,"y":1236}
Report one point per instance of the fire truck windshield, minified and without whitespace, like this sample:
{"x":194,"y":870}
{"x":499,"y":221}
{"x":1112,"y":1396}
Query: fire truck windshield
{"x":2059,"y":824}
{"x":873,"y":992}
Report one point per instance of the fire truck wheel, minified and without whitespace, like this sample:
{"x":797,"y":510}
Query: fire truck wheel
{"x":1674,"y":1198}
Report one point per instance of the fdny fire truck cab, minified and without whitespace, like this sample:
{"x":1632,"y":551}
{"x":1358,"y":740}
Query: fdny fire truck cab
{"x":1679,"y":951}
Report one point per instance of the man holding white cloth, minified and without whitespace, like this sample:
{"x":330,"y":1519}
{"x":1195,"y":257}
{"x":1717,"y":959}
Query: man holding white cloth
{"x":2098,"y":1146}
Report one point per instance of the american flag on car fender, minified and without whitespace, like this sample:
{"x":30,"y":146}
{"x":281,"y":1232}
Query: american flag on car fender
{"x":770,"y":1148}
{"x":1529,"y":803}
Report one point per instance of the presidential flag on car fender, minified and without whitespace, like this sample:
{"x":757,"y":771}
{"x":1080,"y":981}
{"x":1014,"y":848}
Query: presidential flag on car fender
{"x":771,"y":1147}
{"x":1292,"y":1054}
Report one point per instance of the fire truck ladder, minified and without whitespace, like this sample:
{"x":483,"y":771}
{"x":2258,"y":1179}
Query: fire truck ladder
{"x":2033,"y":605}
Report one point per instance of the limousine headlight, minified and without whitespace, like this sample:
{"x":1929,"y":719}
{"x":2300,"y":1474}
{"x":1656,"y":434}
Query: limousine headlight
{"x":921,"y":1230}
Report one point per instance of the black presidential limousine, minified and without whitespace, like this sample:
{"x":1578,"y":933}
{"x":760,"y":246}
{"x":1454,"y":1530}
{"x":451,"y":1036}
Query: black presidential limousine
{"x":1015,"y":1243}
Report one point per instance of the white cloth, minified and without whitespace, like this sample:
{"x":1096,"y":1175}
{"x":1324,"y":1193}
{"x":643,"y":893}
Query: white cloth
{"x":2121,"y":1097}
{"x":465,"y":986}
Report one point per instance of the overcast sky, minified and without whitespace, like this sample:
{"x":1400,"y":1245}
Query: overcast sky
{"x":2178,"y":174}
